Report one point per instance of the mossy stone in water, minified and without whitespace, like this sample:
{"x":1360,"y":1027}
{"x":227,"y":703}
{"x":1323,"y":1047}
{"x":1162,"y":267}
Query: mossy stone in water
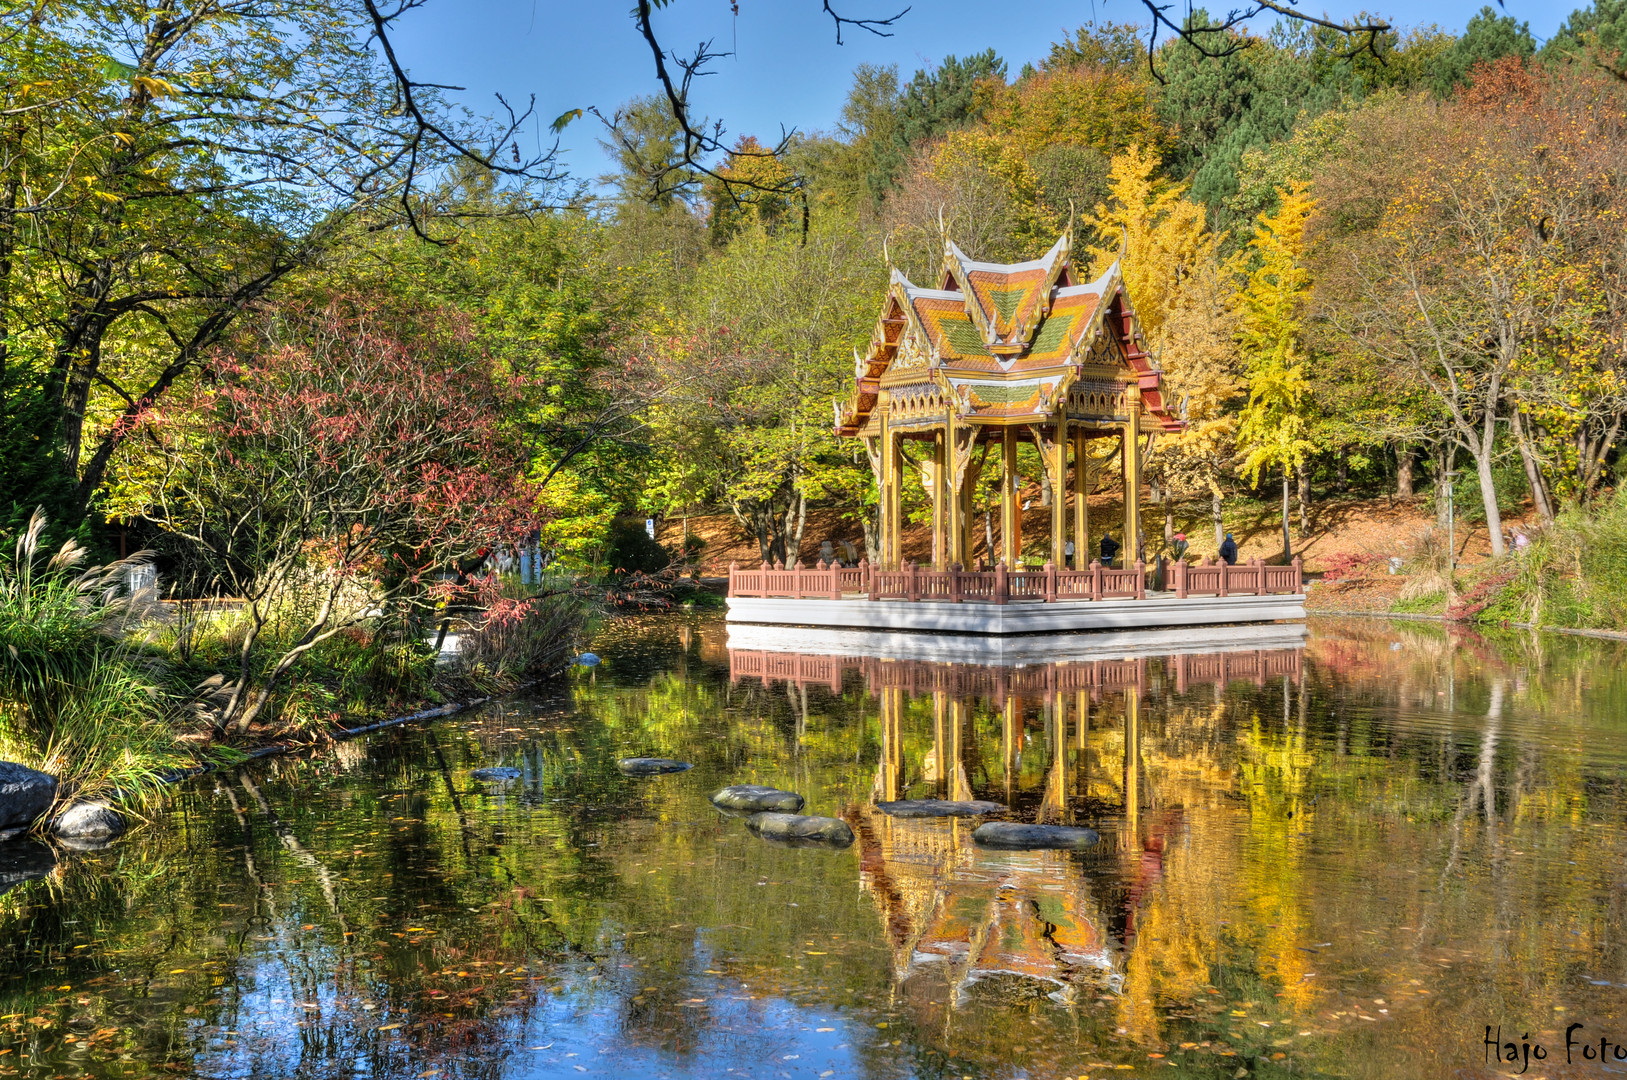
{"x":801,"y":828}
{"x":1017,"y":836}
{"x":934,"y":808}
{"x":501,"y":773}
{"x":651,"y":766}
{"x":757,"y":798}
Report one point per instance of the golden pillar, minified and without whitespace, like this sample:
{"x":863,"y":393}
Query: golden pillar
{"x":954,"y":516}
{"x":1130,"y":441}
{"x":893,"y":542}
{"x":1058,"y":469}
{"x":1010,"y":519}
{"x":1081,"y":506}
{"x":940,"y":508}
{"x":884,"y":492}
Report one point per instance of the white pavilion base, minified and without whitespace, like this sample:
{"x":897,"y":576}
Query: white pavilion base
{"x":1031,"y":617}
{"x":1017,"y":649}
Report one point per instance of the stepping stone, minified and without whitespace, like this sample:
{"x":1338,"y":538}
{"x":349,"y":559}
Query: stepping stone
{"x":502,"y":773}
{"x":1019,"y":837}
{"x":651,"y":766}
{"x":757,"y":798}
{"x":801,"y":828}
{"x":929,"y":808}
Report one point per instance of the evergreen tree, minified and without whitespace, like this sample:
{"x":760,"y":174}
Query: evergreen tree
{"x":1487,"y":37}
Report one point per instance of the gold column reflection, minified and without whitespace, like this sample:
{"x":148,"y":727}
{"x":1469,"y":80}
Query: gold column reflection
{"x":1055,"y":803}
{"x":960,"y":715}
{"x":1012,"y":732}
{"x":1132,"y":760}
{"x":939,"y":764}
{"x":892,"y":744}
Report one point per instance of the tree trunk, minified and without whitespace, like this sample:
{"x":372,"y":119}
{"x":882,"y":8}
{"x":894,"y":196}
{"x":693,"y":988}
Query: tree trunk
{"x":872,"y":545}
{"x":1215,"y":512}
{"x":1304,"y":500}
{"x":1287,"y":545}
{"x":988,"y":533}
{"x":1488,"y":494}
{"x":796,"y":516}
{"x":1533,"y":473}
{"x":1445,"y":462}
{"x":1404,"y":460}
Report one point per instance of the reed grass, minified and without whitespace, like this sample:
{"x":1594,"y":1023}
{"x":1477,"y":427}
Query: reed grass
{"x":79,"y":697}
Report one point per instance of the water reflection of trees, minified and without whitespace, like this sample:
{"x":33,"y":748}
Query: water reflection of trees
{"x":1443,"y":815}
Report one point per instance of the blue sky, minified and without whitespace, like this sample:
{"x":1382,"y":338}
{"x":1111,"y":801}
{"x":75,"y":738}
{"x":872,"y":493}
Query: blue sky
{"x":788,"y":69}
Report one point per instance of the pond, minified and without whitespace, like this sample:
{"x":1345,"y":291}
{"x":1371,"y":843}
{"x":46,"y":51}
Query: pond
{"x":1348,"y":859}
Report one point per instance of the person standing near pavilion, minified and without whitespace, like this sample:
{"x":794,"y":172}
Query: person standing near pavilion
{"x":1179,"y":547}
{"x":1110,"y":550}
{"x":1067,"y":551}
{"x":1228,"y":551}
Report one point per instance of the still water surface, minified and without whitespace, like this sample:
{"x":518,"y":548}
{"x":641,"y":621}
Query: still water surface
{"x":1347,"y":860}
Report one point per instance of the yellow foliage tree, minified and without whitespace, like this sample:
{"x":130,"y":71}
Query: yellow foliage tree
{"x":1273,"y":428}
{"x":1099,"y":108}
{"x":1183,"y":292}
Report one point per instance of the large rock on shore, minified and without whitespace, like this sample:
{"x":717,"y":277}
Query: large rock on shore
{"x":651,"y":766}
{"x":24,"y":861}
{"x":756,"y":798}
{"x":1019,"y":837}
{"x":93,"y":821}
{"x":934,"y":808}
{"x":25,"y":795}
{"x":801,"y":828}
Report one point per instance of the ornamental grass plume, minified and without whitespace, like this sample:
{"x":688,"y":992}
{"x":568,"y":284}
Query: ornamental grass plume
{"x":79,"y":699}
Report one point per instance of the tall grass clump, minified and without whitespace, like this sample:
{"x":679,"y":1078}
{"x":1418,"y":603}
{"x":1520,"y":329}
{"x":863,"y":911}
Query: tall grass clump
{"x":79,"y":698}
{"x":521,"y":635}
{"x":1574,"y":574}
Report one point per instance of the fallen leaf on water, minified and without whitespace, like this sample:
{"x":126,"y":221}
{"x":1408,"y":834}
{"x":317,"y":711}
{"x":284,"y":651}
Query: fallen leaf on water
{"x":389,"y":1027}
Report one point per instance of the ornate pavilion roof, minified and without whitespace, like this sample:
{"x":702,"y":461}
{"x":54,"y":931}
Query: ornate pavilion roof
{"x":1001,"y":341}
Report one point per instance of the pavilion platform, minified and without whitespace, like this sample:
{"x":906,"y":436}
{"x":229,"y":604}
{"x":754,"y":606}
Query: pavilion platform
{"x":1014,"y":650}
{"x":999,"y":603}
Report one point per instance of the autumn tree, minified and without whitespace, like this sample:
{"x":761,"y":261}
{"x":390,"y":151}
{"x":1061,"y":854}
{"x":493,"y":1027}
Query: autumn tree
{"x":1272,"y":429}
{"x":335,"y":462}
{"x":164,"y":167}
{"x":1183,"y":296}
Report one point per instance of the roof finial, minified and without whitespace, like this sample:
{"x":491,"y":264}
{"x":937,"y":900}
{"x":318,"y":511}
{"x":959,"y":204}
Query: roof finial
{"x":886,"y":255}
{"x":943,"y":231}
{"x":1124,"y":242}
{"x":1069,"y":232}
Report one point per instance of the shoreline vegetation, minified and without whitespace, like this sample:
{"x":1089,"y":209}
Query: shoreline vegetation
{"x":115,"y":693}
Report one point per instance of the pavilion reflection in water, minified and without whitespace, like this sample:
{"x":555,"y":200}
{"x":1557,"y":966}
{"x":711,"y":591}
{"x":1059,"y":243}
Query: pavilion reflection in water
{"x":958,"y":914}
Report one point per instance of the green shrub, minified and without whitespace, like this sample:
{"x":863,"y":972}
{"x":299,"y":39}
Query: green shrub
{"x":1572,"y":575}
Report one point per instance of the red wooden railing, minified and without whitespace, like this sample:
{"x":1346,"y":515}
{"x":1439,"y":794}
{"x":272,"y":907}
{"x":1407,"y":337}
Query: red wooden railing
{"x":1001,"y":586}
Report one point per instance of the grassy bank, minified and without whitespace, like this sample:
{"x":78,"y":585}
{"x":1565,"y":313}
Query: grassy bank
{"x":1574,"y":575}
{"x":110,"y":690}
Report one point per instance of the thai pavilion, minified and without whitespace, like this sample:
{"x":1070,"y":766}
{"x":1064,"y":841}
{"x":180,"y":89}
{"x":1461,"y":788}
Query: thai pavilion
{"x":997,"y":354}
